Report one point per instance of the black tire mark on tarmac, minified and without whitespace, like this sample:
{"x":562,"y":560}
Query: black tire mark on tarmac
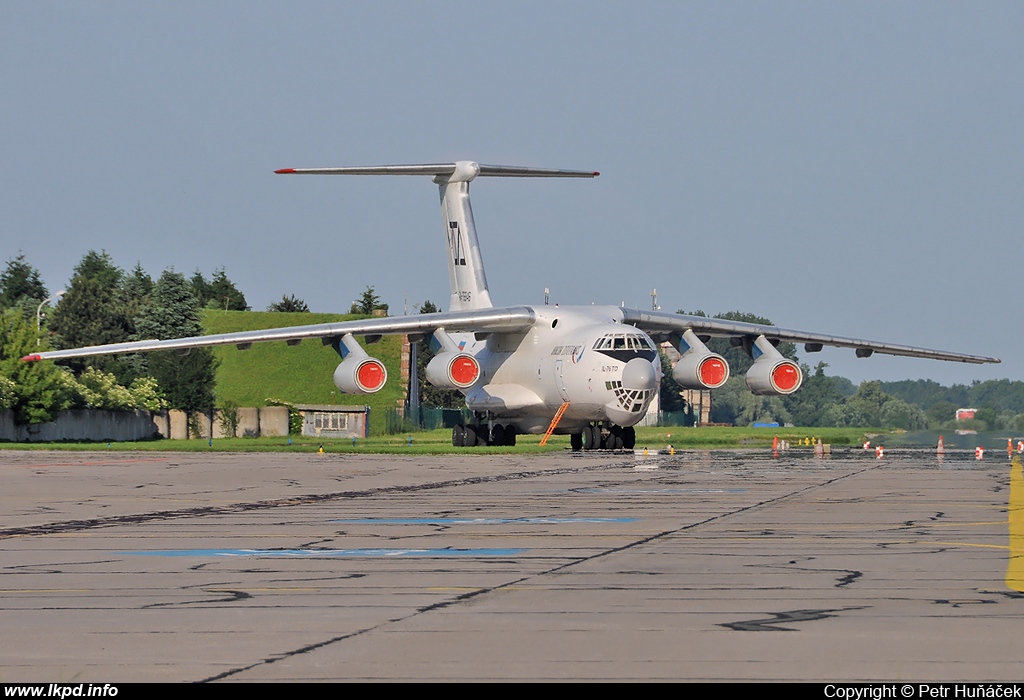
{"x":232,"y":596}
{"x":234,"y":508}
{"x":470,"y":595}
{"x":771,"y":624}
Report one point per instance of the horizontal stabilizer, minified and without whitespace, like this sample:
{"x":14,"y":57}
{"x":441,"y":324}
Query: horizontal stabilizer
{"x":467,"y":170}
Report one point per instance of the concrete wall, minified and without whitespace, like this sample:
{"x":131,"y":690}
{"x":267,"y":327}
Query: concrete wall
{"x":248,"y":423}
{"x":8,"y":431}
{"x":141,"y":425}
{"x":82,"y":425}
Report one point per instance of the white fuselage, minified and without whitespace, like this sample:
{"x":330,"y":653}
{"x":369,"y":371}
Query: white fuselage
{"x":575,"y":355}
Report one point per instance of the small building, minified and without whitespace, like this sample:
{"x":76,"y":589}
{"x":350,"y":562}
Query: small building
{"x":335,"y":421}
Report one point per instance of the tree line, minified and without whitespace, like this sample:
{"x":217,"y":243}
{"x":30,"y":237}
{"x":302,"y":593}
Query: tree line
{"x":104,"y":304}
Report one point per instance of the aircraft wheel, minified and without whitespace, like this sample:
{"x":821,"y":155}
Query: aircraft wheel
{"x":498,"y":435}
{"x":576,"y":441}
{"x":629,"y":438}
{"x":459,"y":436}
{"x":615,"y":441}
{"x":595,"y":437}
{"x":588,"y":439}
{"x":470,"y":439}
{"x":510,"y":436}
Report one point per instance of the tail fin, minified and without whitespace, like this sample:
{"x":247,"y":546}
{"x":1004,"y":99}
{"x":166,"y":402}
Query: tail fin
{"x":465,"y":264}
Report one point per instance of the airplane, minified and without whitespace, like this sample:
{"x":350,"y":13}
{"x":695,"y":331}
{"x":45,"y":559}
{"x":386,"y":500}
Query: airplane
{"x":586,"y":371}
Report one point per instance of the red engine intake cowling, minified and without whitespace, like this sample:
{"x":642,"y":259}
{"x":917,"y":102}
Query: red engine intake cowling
{"x":360,"y":375}
{"x":701,"y":371}
{"x":779,"y":377}
{"x":772,"y":373}
{"x":453,"y":370}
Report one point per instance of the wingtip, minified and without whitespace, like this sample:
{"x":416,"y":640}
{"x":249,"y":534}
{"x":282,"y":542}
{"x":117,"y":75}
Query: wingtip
{"x":32,"y":358}
{"x":284,"y":171}
{"x":596,"y":173}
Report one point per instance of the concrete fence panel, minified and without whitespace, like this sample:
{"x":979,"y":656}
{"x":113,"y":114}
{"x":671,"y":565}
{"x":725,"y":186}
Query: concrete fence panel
{"x":179,"y":424}
{"x":248,"y":422}
{"x":274,"y":421}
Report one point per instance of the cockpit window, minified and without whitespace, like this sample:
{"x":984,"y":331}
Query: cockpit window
{"x":636,"y":343}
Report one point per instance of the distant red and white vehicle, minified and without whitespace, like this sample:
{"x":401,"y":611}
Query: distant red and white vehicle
{"x":966,"y":413}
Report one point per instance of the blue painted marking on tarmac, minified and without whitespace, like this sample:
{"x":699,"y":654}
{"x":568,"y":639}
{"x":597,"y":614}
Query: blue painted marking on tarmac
{"x":478,"y":521}
{"x":326,"y":552}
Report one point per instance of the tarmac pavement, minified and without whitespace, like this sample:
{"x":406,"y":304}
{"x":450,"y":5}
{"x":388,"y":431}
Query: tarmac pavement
{"x":118,"y":567}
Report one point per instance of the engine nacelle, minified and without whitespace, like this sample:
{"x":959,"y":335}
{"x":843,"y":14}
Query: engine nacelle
{"x":358,"y":373}
{"x":772,"y":373}
{"x":699,"y":368}
{"x":453,"y":370}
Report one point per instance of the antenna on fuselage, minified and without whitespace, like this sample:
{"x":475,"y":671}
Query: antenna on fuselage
{"x":465,"y":264}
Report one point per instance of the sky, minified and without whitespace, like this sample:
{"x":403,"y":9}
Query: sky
{"x":854,"y":168}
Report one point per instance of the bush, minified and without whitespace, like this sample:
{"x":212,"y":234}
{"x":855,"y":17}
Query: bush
{"x":229,"y":418}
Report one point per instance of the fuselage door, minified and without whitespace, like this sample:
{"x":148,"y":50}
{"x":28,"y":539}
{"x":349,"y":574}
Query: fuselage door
{"x":560,"y":381}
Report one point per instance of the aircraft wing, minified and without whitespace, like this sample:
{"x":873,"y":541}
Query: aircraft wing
{"x":493,"y":320}
{"x":661,"y":321}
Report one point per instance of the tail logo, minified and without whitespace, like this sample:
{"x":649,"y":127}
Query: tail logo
{"x":455,"y":243}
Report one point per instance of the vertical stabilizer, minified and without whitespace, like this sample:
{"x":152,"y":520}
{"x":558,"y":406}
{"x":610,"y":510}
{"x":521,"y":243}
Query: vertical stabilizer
{"x":465,"y":264}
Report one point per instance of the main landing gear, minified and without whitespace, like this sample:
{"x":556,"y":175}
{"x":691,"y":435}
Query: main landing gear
{"x":594,"y":437}
{"x":480,"y":435}
{"x":598,"y":437}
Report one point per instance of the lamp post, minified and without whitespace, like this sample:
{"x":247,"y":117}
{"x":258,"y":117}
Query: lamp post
{"x":39,"y":314}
